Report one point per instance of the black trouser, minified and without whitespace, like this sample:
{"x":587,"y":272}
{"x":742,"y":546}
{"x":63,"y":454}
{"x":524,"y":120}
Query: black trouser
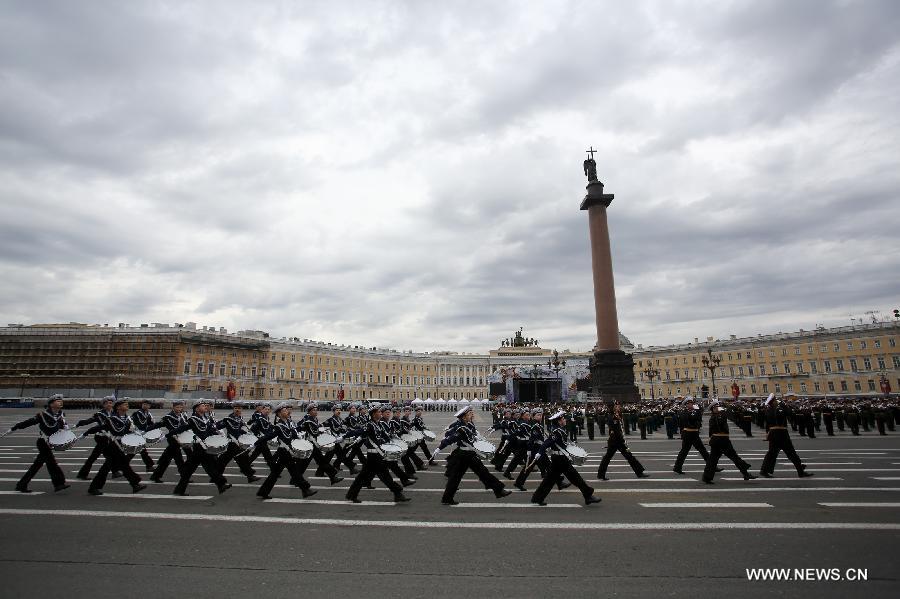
{"x":341,"y":457}
{"x":116,"y":461}
{"x":240,"y":456}
{"x":719,"y":446}
{"x":611,"y":448}
{"x":356,"y":452}
{"x":411,"y":462}
{"x":560,"y":466}
{"x":543,"y":464}
{"x":44,"y":456}
{"x":590,"y":427}
{"x":425,"y":451}
{"x":810,"y":427}
{"x":853,"y":425}
{"x":322,"y":465}
{"x":148,"y":461}
{"x":829,"y":425}
{"x":748,"y":426}
{"x":263,"y":449}
{"x":172,"y":452}
{"x":840,"y":421}
{"x":642,"y":424}
{"x":196,"y":458}
{"x":670,"y":428}
{"x":372,"y":467}
{"x":690,"y":439}
{"x":281,"y":460}
{"x":464,"y":461}
{"x":520,"y":452}
{"x":503,"y":454}
{"x":880,"y":423}
{"x":779,"y":440}
{"x":100,"y":443}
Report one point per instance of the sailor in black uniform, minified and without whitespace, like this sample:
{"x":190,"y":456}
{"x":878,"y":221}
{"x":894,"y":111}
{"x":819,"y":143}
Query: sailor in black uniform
{"x":560,"y":463}
{"x":259,"y":426}
{"x":779,"y":440}
{"x":285,"y":431}
{"x":355,"y":421}
{"x":234,"y":426}
{"x":174,"y":419}
{"x":408,"y":426}
{"x":463,"y":437}
{"x":616,"y":442}
{"x":97,"y":419}
{"x":520,"y":442}
{"x":542,"y":462}
{"x":691,"y":422}
{"x":309,"y":426}
{"x":143,"y":421}
{"x":502,"y":426}
{"x":49,"y":421}
{"x":115,"y":427}
{"x":335,"y":426}
{"x":509,"y":441}
{"x":720,"y":444}
{"x":393,"y":429}
{"x":202,"y":425}
{"x":419,"y":425}
{"x":373,"y":435}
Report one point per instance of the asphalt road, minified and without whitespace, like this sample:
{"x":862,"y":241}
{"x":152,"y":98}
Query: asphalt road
{"x":668,"y":536}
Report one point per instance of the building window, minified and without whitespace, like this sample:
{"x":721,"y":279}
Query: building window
{"x":831,"y":386}
{"x":187,"y":369}
{"x":881,"y":363}
{"x":816,"y":386}
{"x":799,"y":367}
{"x":891,"y":342}
{"x":849,"y":346}
{"x":753,"y":388}
{"x":896,"y":361}
{"x":222,"y":369}
{"x":787,"y":368}
{"x":765,"y":387}
{"x":790,"y":386}
{"x":293,"y":372}
{"x":803,"y":387}
{"x":813,"y":368}
{"x":211,"y":369}
{"x":233,"y":370}
{"x":199,"y":367}
{"x":777,"y":387}
{"x":837,"y":347}
{"x":844,"y":386}
{"x":867,"y":364}
{"x":871,"y":384}
{"x":840,"y":365}
{"x":863,"y":345}
{"x":857,"y":386}
{"x":853,"y":366}
{"x":827,"y":366}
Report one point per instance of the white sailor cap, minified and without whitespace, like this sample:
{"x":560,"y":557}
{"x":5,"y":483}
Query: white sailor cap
{"x":462,"y":411}
{"x":770,"y":398}
{"x":716,"y":404}
{"x":687,"y":399}
{"x":557,"y":415}
{"x":56,"y":396}
{"x":282,"y":405}
{"x":177,"y":402}
{"x":109,"y":398}
{"x":374,"y":407}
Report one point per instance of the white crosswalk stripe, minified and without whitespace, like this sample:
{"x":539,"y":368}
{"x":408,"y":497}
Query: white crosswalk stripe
{"x":860,"y":504}
{"x":705,"y":505}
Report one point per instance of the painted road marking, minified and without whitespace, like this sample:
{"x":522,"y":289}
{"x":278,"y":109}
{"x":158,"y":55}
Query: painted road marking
{"x":860,"y":504}
{"x":17,"y":493}
{"x":514,"y":505}
{"x":704,"y":505}
{"x":327,"y":501}
{"x":457,"y":524}
{"x":152,"y":496}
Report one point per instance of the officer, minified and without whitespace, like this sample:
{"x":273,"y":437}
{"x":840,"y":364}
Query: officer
{"x":589,"y":418}
{"x":97,"y":420}
{"x":828,"y":418}
{"x":373,"y":435}
{"x":616,"y":442}
{"x":285,"y":431}
{"x":203,"y":426}
{"x":851,"y":414}
{"x":116,"y":426}
{"x":560,"y":464}
{"x":463,"y":436}
{"x":234,"y":426}
{"x":669,"y":418}
{"x":720,"y":444}
{"x":49,"y":421}
{"x":779,"y":440}
{"x":174,"y":419}
{"x":691,"y":421}
{"x":143,"y":421}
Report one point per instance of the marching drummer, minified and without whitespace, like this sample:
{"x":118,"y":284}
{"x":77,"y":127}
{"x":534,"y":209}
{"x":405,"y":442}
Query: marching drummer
{"x":464,"y":436}
{"x":116,"y":426}
{"x":173,"y":420}
{"x":234,"y":426}
{"x":259,"y":426}
{"x":408,"y":426}
{"x":374,"y":435}
{"x":97,"y":419}
{"x":419,"y":425}
{"x":309,"y":425}
{"x":560,"y":463}
{"x":355,"y":421}
{"x":336,"y":426}
{"x":203,"y":426}
{"x":285,"y":431}
{"x":143,"y":421}
{"x":393,"y":429}
{"x":49,"y":421}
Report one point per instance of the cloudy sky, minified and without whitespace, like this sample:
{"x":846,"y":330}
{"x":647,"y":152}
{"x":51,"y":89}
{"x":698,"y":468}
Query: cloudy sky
{"x":408,"y":174}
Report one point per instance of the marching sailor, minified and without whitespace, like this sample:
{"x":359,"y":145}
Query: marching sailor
{"x":234,"y":427}
{"x":520,"y":441}
{"x":336,"y":426}
{"x":779,"y":440}
{"x":143,"y":421}
{"x":408,"y":426}
{"x":374,"y":435}
{"x":616,"y":442}
{"x":720,"y":444}
{"x":285,"y":431}
{"x":463,"y":437}
{"x":97,"y":419}
{"x":560,"y":464}
{"x":203,"y":426}
{"x":309,"y":425}
{"x":174,"y":419}
{"x":534,"y":445}
{"x":49,"y":421}
{"x":419,"y":425}
{"x":259,"y":426}
{"x":355,"y":421}
{"x":691,"y":421}
{"x":116,"y":426}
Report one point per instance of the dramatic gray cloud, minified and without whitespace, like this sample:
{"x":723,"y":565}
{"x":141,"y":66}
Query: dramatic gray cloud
{"x":408,"y":174}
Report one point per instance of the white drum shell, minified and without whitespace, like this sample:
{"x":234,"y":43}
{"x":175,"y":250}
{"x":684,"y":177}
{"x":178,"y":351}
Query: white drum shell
{"x":215,"y":444}
{"x":132,"y":443}
{"x":61,"y":440}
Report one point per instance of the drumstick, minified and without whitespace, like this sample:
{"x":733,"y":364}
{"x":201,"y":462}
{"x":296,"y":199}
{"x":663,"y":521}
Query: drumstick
{"x":4,"y":433}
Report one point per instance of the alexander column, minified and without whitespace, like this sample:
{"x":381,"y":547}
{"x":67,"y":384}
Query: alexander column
{"x":612,"y":370}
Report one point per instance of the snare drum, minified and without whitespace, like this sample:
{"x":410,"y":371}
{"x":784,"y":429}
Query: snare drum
{"x":153,"y":437}
{"x":429,"y":435}
{"x":485,"y":449}
{"x":61,"y":440}
{"x":247,"y":441}
{"x":132,"y":443}
{"x":215,"y":444}
{"x":185,"y":439}
{"x":393,"y":451}
{"x":325,"y":442}
{"x":577,"y":454}
{"x":273,"y":443}
{"x":410,"y":440}
{"x":300,"y":449}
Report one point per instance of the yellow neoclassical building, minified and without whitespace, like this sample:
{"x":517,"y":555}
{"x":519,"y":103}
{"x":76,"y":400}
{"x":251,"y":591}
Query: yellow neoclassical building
{"x":185,"y":360}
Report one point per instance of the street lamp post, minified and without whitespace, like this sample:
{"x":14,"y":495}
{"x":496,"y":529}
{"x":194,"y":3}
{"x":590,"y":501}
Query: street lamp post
{"x":556,"y":365}
{"x":534,"y":375}
{"x":651,"y":373}
{"x":25,"y":376}
{"x":711,"y":362}
{"x":118,"y":376}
